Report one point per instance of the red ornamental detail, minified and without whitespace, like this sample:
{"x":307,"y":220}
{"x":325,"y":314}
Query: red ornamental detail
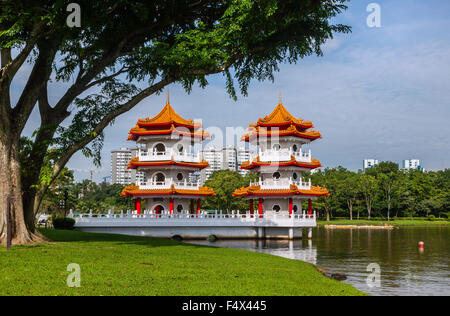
{"x":309,"y":207}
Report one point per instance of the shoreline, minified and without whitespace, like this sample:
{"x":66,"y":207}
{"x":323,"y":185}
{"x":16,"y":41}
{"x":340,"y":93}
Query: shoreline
{"x":346,"y":223}
{"x":128,"y":265}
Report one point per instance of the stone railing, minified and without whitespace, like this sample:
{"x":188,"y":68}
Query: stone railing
{"x":187,"y":185}
{"x":284,"y":155}
{"x":282,"y":183}
{"x":202,"y":215}
{"x":168,"y":155}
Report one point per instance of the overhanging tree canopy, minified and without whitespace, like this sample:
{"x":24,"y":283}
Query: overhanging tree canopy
{"x":119,"y":44}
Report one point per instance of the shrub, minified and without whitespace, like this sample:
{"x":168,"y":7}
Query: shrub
{"x":431,"y":218}
{"x":63,"y":223}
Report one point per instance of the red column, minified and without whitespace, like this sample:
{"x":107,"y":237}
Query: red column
{"x":251,"y":206}
{"x":290,"y":206}
{"x":199,"y":205}
{"x":260,"y":207}
{"x":309,"y":207}
{"x":171,"y":206}
{"x":137,"y":205}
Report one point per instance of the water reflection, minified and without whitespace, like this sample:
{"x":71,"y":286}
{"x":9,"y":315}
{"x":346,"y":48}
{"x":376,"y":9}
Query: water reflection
{"x":405,"y":268}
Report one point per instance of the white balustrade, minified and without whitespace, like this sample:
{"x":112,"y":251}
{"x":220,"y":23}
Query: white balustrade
{"x":282,"y":184}
{"x":183,"y":156}
{"x":283,"y":155}
{"x":149,"y":214}
{"x":186,"y":185}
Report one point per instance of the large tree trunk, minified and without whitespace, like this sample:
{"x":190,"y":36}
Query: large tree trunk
{"x":10,"y":186}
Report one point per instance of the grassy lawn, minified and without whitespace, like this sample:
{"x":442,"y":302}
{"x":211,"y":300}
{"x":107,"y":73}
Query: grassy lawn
{"x":400,"y":222}
{"x":126,"y":265}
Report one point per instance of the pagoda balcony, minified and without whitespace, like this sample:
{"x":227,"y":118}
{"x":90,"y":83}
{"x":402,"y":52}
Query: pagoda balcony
{"x":282,"y":184}
{"x":284,"y":155}
{"x":184,"y":185}
{"x":169,"y":155}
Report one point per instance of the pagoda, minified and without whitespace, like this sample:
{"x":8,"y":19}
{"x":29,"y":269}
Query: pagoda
{"x":281,"y":163}
{"x":167,"y":159}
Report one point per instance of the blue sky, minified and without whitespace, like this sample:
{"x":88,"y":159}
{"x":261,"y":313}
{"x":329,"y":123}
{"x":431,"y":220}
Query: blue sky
{"x":379,"y":93}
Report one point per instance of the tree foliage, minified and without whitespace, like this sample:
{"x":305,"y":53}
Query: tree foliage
{"x":224,"y":182}
{"x":384,"y":191}
{"x":125,"y":51}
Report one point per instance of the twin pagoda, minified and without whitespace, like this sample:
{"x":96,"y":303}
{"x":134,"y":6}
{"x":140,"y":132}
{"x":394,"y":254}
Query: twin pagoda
{"x":281,"y":164}
{"x":168,"y":160}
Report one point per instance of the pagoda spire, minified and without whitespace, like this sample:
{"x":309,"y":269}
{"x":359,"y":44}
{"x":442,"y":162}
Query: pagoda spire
{"x":167,"y":101}
{"x":279,"y":100}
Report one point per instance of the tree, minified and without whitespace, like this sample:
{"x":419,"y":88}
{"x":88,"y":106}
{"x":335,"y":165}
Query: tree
{"x":387,"y":174}
{"x":330,"y":179}
{"x":350,"y":191}
{"x":123,"y":52}
{"x":224,"y":183}
{"x":368,"y":188}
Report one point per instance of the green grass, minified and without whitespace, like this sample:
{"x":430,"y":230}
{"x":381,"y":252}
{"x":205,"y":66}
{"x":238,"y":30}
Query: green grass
{"x":399,"y":222}
{"x":126,"y":265}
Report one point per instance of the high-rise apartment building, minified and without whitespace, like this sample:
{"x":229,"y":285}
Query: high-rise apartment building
{"x":369,"y":163}
{"x":226,"y":158}
{"x":119,"y":162}
{"x":409,"y":164}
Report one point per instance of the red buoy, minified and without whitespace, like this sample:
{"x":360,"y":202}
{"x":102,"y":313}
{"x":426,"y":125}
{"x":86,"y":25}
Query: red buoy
{"x":421,"y":244}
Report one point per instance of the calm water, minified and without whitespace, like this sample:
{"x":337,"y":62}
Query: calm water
{"x":404,"y":269}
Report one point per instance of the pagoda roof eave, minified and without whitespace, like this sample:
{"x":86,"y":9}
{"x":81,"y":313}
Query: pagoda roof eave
{"x":134,"y":190}
{"x":135,"y":163}
{"x":256,"y":190}
{"x":134,"y":134}
{"x":168,"y":116}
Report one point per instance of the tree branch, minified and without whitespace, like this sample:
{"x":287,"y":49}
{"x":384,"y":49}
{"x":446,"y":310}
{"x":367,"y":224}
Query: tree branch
{"x":10,"y":68}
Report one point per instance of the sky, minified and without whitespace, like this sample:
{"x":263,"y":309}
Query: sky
{"x":378,"y":92}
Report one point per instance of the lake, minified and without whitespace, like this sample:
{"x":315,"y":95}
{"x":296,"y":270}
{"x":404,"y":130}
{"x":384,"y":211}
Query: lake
{"x":403,"y":268}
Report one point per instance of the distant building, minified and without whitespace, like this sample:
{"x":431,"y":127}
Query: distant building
{"x":412,"y":164}
{"x":226,"y":158}
{"x":119,"y":162}
{"x":369,"y":163}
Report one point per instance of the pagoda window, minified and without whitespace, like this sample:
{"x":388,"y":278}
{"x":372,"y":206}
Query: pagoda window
{"x":295,"y":176}
{"x":180,"y":176}
{"x":276,"y":208}
{"x":294,"y":148}
{"x":276,"y":175}
{"x":276,"y":147}
{"x":295,"y":208}
{"x":179,"y":208}
{"x":159,"y":148}
{"x":159,"y":178}
{"x":180,"y":148}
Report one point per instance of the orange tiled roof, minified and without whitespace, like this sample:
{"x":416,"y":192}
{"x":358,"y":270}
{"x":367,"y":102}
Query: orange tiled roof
{"x":134,"y":190}
{"x":168,"y":116}
{"x":281,"y":116}
{"x":293,"y":190}
{"x":292,"y":130}
{"x":293,"y":162}
{"x":140,"y":131}
{"x":135,"y":163}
